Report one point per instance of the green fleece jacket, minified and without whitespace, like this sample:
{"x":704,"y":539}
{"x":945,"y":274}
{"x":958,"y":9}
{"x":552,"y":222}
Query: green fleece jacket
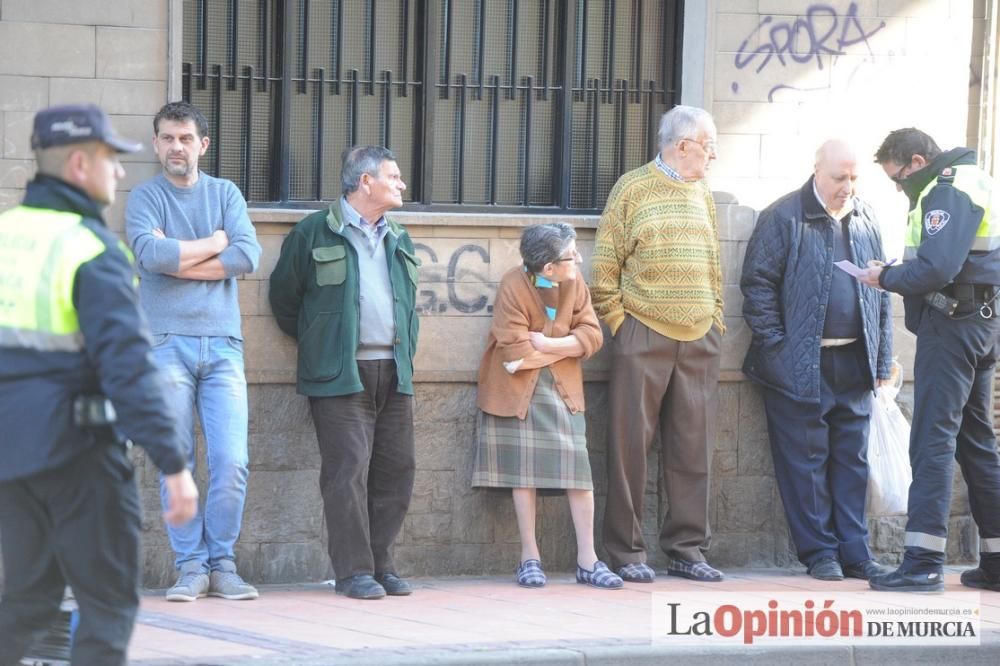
{"x":315,"y":296}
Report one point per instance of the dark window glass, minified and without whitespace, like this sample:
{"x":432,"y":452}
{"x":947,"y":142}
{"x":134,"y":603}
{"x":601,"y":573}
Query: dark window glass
{"x":488,"y":104}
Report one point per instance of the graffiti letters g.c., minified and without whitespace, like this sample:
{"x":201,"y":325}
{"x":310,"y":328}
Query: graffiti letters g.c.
{"x":439,"y":281}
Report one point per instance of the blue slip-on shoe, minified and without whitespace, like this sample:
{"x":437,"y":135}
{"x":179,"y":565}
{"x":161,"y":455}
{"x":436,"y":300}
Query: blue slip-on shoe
{"x":700,"y":571}
{"x":600,"y":577}
{"x":636,"y":572}
{"x":530,"y":574}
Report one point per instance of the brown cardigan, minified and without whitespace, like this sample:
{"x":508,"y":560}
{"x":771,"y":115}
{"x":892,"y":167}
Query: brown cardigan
{"x":517,"y":311}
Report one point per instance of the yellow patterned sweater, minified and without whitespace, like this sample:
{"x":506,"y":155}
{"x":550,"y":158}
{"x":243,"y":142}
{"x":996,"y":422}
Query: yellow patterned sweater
{"x":657,"y":256}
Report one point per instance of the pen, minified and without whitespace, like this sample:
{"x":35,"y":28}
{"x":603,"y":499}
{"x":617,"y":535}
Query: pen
{"x":890,"y":262}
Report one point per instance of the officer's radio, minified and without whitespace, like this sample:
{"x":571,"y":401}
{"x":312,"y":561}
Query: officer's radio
{"x":943,"y":304}
{"x":93,"y":411}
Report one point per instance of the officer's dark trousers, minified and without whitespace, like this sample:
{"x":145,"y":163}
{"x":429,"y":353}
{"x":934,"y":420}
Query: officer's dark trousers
{"x":77,"y":524}
{"x":952,"y":420}
{"x":820,"y":458}
{"x":367,"y":469}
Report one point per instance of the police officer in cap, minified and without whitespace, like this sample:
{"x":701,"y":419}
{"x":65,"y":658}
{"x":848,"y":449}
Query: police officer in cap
{"x":949,"y":283}
{"x":76,"y":385}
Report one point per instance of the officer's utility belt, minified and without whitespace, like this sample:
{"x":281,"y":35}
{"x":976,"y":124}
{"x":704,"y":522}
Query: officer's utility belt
{"x":959,"y":301}
{"x":93,"y":411}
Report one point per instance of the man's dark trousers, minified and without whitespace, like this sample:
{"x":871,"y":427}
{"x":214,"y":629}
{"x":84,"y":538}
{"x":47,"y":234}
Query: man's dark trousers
{"x":367,"y":469}
{"x":820,"y":458}
{"x":77,"y":524}
{"x":952,"y":419}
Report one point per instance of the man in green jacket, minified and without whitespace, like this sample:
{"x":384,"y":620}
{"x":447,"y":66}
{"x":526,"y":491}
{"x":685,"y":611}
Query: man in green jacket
{"x":345,"y":288}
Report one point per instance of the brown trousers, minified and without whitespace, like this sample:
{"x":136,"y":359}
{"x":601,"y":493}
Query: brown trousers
{"x":366,"y":471}
{"x":671,"y":387}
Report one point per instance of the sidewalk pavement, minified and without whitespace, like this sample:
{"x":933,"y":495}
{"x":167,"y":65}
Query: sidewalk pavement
{"x":491,"y":621}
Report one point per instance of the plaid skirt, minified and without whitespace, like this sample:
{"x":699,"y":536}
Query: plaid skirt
{"x":548,"y":449}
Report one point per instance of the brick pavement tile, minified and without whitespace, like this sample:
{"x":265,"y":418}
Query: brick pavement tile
{"x":150,"y":642}
{"x":309,"y":623}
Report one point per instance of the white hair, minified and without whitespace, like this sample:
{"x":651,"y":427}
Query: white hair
{"x":681,"y":122}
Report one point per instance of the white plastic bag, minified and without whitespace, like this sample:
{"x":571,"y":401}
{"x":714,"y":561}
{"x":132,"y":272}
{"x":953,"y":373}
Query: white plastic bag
{"x":889,"y":473}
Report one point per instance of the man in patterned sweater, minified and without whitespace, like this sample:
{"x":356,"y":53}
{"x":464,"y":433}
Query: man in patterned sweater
{"x":657,"y":284}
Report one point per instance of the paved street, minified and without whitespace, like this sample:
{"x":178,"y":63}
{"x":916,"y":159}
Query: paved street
{"x":492,"y":621}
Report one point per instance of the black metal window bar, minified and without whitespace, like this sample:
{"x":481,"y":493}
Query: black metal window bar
{"x":531,"y":105}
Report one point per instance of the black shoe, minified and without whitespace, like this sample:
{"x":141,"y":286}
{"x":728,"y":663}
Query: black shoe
{"x":980,"y":579}
{"x":902,"y":581}
{"x":865,"y":570}
{"x":826,"y":568}
{"x":394,"y":585}
{"x":360,"y":587}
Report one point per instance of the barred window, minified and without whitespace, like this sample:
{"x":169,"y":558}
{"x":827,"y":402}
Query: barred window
{"x":495,"y":105}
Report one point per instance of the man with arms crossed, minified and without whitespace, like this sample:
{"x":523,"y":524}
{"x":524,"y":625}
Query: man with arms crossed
{"x":191,"y":236}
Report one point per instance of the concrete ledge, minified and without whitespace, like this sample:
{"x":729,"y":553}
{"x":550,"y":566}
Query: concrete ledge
{"x":425,"y":219}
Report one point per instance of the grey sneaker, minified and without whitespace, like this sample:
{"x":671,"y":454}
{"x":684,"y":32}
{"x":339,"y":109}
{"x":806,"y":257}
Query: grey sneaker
{"x":190,"y":586}
{"x":229,"y":585}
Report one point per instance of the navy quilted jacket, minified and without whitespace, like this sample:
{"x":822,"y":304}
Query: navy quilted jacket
{"x":786,"y":280}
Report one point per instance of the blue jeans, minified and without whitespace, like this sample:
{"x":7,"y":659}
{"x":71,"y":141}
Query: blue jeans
{"x":207,"y":372}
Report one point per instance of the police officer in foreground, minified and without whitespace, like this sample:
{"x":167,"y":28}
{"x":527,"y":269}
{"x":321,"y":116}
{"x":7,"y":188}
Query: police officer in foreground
{"x":949,"y":282}
{"x":76,"y":383}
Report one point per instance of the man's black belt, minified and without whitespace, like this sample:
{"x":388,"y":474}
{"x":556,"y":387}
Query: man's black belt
{"x":976,"y":293}
{"x":958,"y":300}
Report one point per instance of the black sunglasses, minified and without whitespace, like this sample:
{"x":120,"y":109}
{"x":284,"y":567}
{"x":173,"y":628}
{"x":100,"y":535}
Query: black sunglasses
{"x":897,"y":178}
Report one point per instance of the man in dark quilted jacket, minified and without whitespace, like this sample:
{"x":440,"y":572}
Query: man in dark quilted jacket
{"x":820,"y":344}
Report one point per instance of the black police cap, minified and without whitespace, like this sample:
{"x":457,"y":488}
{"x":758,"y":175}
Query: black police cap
{"x":77,"y":123}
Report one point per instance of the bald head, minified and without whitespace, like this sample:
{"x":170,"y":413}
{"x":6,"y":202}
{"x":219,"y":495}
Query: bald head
{"x":835,"y":151}
{"x":836,"y":173}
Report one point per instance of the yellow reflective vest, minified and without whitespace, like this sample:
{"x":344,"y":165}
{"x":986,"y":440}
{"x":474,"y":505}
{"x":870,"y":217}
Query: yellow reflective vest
{"x":975,"y":183}
{"x":40,"y":253}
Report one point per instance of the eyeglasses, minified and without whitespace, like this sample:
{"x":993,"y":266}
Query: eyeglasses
{"x":575,"y":256}
{"x":707,"y":146}
{"x":898,"y":177}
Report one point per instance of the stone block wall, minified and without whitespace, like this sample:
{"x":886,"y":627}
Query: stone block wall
{"x":781,"y":76}
{"x":452,"y":528}
{"x":109,"y":53}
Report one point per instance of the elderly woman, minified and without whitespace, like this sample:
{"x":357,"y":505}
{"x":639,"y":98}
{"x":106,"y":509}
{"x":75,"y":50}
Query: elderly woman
{"x":532,"y":428}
